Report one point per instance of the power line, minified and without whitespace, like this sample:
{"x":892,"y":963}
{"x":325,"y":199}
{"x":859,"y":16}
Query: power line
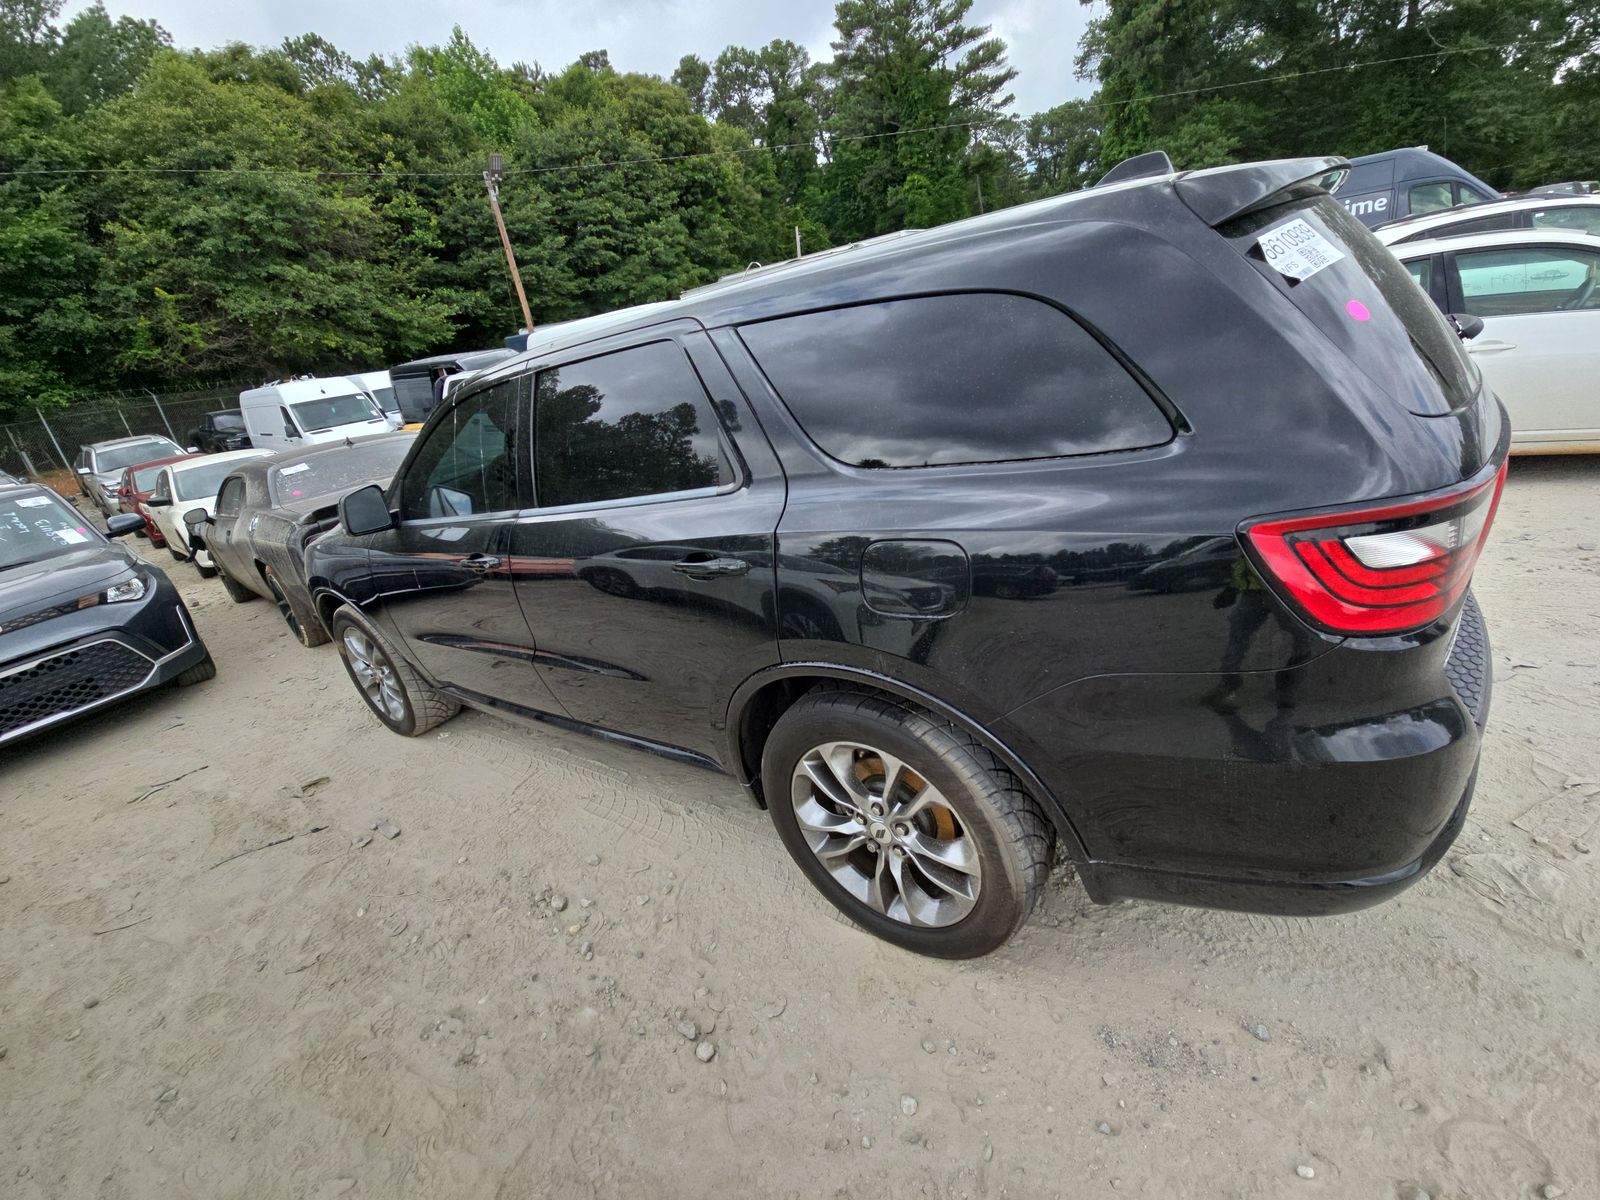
{"x":646,"y":160}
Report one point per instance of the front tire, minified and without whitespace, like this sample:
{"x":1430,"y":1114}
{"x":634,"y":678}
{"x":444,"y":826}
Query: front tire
{"x":394,"y":691}
{"x":203,"y":670}
{"x":908,"y":825}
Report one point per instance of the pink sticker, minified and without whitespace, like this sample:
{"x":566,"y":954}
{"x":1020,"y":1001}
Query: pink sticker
{"x":298,"y":492}
{"x":1358,"y":310}
{"x":80,"y":529}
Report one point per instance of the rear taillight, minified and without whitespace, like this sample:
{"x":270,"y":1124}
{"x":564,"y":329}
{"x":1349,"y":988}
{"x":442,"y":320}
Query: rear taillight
{"x":1388,"y":568}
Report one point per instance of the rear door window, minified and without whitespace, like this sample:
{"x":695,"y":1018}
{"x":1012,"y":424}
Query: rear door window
{"x":1528,"y":279}
{"x":939,"y":380}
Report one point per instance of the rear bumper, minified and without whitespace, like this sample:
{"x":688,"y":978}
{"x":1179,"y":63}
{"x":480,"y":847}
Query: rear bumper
{"x":1106,"y":882}
{"x":1321,"y":789}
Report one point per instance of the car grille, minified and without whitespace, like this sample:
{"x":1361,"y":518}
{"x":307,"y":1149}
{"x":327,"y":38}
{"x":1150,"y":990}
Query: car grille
{"x":33,"y":618}
{"x":67,"y":682}
{"x":1468,"y":665}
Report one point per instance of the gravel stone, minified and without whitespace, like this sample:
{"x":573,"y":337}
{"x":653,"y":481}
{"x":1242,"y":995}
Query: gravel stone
{"x":689,"y":1030}
{"x":1260,"y":1032}
{"x":559,"y":903}
{"x":388,"y":829}
{"x":705,"y":1052}
{"x":1305,"y":1172}
{"x":908,"y":1105}
{"x":928,"y":1047}
{"x":91,"y":1002}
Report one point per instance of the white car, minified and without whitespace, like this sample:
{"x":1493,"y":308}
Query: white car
{"x":1538,"y":294}
{"x":184,"y":486}
{"x":1570,"y":214}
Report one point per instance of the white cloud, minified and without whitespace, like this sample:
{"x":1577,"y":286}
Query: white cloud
{"x":641,"y":35}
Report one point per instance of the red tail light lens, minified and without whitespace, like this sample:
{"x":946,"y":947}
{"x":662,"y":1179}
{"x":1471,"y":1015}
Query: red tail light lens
{"x":1384,"y":569}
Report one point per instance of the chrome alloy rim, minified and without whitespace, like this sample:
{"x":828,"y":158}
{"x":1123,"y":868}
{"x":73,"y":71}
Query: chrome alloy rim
{"x":374,"y":675}
{"x":885,"y":834}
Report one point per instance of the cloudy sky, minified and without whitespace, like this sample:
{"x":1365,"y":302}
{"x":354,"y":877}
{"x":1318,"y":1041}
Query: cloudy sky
{"x":642,"y":35}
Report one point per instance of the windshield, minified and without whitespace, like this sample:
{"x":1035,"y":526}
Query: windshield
{"x":386,"y":400}
{"x":326,"y":412}
{"x":202,"y":483}
{"x":115,"y":458}
{"x":145,"y":479}
{"x":37,"y":527}
{"x":228,"y":422}
{"x":340,"y":470}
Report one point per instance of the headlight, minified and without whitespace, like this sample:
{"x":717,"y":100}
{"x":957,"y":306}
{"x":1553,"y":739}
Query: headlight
{"x":109,"y":489}
{"x":128,"y":589}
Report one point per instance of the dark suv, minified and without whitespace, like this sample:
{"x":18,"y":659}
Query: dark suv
{"x":1141,"y":519}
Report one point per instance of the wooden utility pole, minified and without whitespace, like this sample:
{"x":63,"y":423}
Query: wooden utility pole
{"x":491,"y":179}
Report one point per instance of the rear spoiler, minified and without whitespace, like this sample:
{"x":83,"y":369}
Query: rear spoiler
{"x":1219,"y":194}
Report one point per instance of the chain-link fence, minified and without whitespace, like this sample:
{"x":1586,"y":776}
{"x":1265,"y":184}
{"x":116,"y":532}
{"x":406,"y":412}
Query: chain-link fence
{"x":45,"y":444}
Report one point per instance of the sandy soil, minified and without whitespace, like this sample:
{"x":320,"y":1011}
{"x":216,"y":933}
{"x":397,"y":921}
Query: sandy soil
{"x":414,"y":1018}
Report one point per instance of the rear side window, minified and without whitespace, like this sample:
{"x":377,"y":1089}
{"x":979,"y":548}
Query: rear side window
{"x":1465,"y":225}
{"x":633,"y":423}
{"x":938,"y":380}
{"x":1583,"y":219}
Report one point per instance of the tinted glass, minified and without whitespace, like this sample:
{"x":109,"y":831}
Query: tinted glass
{"x":199,"y":483}
{"x":952,"y":379}
{"x":468,"y":463}
{"x":1422,"y":271}
{"x":1466,"y":225}
{"x":1431,"y":197}
{"x":38,"y":526}
{"x":634,"y":423}
{"x":115,"y":458}
{"x":326,"y":412}
{"x":342,"y":470}
{"x":231,"y":499}
{"x":1583,"y":219}
{"x":1526,"y":279}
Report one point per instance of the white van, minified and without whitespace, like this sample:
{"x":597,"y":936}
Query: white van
{"x":300,"y":412}
{"x":381,"y":388}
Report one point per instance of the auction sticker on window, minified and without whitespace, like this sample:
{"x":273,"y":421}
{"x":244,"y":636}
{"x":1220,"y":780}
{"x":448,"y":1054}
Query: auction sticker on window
{"x":1297,"y":250}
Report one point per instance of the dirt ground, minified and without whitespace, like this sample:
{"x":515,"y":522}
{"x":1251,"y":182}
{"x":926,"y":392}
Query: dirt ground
{"x":490,"y":1004}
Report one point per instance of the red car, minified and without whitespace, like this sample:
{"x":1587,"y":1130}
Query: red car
{"x":138,"y":481}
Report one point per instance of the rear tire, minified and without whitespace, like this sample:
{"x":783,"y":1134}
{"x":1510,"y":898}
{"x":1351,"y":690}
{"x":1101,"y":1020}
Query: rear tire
{"x":237,"y":592}
{"x":175,"y":554}
{"x":307,"y":630}
{"x":960,"y":870}
{"x":394,"y":691}
{"x":203,"y":670}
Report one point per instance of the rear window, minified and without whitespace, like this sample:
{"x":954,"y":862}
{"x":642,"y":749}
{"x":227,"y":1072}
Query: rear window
{"x":940,"y":380}
{"x":116,"y":458}
{"x":341,"y":470}
{"x":145,"y":478}
{"x":227,"y":421}
{"x":1368,"y":305}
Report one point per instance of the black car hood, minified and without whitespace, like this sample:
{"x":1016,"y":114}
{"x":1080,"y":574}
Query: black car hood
{"x":28,"y":588}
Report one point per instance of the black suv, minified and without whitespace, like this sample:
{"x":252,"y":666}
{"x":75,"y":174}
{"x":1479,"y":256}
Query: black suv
{"x":1141,"y":519}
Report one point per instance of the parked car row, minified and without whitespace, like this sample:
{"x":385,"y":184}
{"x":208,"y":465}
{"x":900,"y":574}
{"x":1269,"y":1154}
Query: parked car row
{"x":85,"y":623}
{"x":957,"y":545}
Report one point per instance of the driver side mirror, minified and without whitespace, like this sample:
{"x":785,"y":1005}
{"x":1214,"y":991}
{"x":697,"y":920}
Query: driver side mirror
{"x":1467,"y":325}
{"x":158,"y":502}
{"x":365,"y":510}
{"x":84,"y":471}
{"x":123,"y":524}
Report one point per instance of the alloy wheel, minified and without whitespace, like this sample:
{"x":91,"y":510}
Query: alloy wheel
{"x":886,"y":834}
{"x":375,"y":674}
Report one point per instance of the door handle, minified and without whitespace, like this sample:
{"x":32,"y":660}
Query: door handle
{"x":710,"y":568}
{"x":480,"y":562}
{"x":1489,"y":347}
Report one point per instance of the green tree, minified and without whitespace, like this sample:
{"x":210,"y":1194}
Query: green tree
{"x":901,"y":66}
{"x":99,"y":58}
